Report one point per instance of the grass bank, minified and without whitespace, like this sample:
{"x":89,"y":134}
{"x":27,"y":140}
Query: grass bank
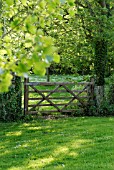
{"x":70,"y":144}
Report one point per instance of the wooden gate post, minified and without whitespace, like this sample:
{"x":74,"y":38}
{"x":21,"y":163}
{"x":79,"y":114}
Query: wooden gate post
{"x":92,"y":88}
{"x":91,"y":91}
{"x":26,"y":93}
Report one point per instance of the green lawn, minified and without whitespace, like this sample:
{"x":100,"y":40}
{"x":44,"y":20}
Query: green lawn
{"x":68,"y":144}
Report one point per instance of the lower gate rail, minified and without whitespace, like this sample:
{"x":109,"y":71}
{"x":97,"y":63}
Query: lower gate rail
{"x":63,"y":97}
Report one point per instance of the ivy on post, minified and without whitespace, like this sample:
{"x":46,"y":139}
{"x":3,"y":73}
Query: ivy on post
{"x":10,"y":102}
{"x":100,"y":64}
{"x":47,"y":74}
{"x":26,"y":92}
{"x":18,"y":91}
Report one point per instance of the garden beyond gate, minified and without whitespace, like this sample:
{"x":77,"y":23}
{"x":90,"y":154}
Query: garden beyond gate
{"x":50,"y":97}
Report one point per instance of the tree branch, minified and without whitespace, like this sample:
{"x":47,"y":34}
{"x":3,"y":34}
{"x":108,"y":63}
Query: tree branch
{"x":90,"y":8}
{"x":102,"y":3}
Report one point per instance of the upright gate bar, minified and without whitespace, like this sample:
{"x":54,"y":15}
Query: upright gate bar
{"x":26,"y":93}
{"x":92,"y":89}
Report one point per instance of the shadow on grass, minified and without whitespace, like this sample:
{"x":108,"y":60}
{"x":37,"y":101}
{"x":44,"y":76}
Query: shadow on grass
{"x":70,"y":143}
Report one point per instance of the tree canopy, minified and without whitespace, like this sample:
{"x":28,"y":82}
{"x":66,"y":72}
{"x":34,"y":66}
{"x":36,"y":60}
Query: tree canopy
{"x":80,"y":29}
{"x":23,"y":41}
{"x":32,"y":31}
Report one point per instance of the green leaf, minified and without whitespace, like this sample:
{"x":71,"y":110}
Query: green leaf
{"x":10,"y":2}
{"x":14,"y":23}
{"x":30,"y":24}
{"x":7,"y":38}
{"x":35,"y":57}
{"x":71,"y":2}
{"x":22,"y":68}
{"x":42,"y":22}
{"x":72,"y":12}
{"x":42,"y":4}
{"x":40,"y":68}
{"x":56,"y":58}
{"x":2,"y":52}
{"x":28,"y":44}
{"x":5,"y":82}
{"x":24,"y":2}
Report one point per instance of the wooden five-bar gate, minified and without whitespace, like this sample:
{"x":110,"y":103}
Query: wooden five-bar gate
{"x":47,"y":97}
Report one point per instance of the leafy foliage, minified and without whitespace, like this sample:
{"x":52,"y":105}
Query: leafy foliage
{"x":78,"y":36}
{"x":73,"y":26}
{"x":27,"y":47}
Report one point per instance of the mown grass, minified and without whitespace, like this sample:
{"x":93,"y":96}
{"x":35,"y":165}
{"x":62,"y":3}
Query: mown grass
{"x":70,"y":144}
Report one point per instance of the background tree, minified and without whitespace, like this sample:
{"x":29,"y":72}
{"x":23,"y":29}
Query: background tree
{"x":85,"y":34}
{"x":96,"y":27}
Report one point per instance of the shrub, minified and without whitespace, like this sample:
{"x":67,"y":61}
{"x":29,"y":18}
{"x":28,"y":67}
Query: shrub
{"x":10,"y":102}
{"x":111,"y":94}
{"x":8,"y":105}
{"x":105,"y":109}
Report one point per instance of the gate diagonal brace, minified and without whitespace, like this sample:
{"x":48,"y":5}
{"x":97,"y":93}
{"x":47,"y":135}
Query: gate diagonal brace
{"x":45,"y":97}
{"x":67,"y":104}
{"x":82,"y":90}
{"x":75,"y":97}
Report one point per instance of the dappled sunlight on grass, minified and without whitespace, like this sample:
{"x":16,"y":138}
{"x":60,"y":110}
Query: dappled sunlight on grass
{"x":16,"y":133}
{"x":80,"y":143}
{"x":40,"y":163}
{"x":34,"y":128}
{"x":73,"y":154}
{"x":111,"y":119}
{"x":16,"y":168}
{"x":5,"y":152}
{"x":62,"y":149}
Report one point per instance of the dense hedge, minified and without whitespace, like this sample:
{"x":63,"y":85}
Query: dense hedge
{"x":10,"y":102}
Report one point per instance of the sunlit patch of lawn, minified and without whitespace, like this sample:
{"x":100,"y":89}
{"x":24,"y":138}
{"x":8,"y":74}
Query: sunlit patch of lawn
{"x":70,"y":144}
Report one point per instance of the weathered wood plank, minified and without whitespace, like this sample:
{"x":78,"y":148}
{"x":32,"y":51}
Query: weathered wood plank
{"x":59,"y":98}
{"x":52,"y":98}
{"x":47,"y":104}
{"x":62,"y":111}
{"x":57,"y":91}
{"x":51,"y":111}
{"x":48,"y":83}
{"x":32,"y":112}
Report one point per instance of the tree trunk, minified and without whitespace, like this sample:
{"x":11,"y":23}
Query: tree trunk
{"x":99,"y":64}
{"x":100,"y":61}
{"x":47,"y":74}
